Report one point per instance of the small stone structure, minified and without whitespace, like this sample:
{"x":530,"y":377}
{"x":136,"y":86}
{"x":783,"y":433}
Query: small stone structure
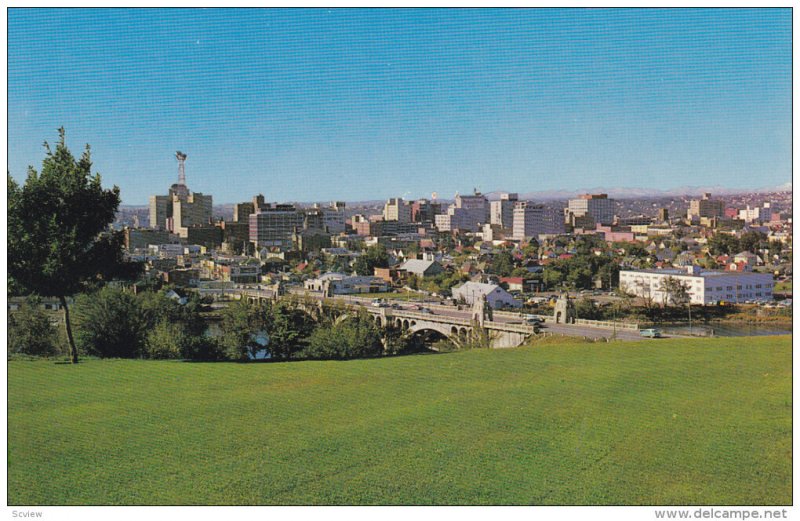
{"x":564,"y":312}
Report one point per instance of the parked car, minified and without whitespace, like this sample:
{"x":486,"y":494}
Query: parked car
{"x":650,"y":333}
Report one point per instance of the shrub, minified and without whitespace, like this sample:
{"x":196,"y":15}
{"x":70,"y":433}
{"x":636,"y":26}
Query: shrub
{"x":167,"y":340}
{"x":30,"y":331}
{"x":241,"y":323}
{"x":353,"y":337}
{"x":110,"y":323}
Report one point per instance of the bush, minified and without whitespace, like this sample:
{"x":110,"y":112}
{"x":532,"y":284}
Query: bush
{"x":289,"y":328}
{"x":30,"y":331}
{"x":241,"y":323}
{"x":110,"y":323}
{"x":167,"y":340}
{"x":353,"y":337}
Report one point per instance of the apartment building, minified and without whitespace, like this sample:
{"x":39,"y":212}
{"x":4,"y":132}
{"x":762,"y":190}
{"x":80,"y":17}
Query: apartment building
{"x":705,"y":287}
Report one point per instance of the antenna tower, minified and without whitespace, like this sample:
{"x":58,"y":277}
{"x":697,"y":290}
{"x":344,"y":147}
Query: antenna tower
{"x":181,"y":157}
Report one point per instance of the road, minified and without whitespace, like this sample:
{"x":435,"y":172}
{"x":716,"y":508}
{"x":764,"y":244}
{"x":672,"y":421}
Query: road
{"x":465,"y":314}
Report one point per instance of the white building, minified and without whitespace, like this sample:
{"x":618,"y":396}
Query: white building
{"x":533,"y":220}
{"x":502,"y":212}
{"x":704,"y":286}
{"x":421,"y":268}
{"x":334,"y":217}
{"x":398,"y":210}
{"x":496,"y":296}
{"x":597,"y":206}
{"x":469,"y":214}
{"x":341,"y":284}
{"x":757,"y":214}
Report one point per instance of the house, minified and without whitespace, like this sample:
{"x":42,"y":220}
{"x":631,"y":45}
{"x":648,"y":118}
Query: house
{"x":341,"y":284}
{"x":177,"y":297}
{"x":495,"y":296}
{"x":421,"y":268}
{"x":746,"y":257}
{"x":514,"y":283}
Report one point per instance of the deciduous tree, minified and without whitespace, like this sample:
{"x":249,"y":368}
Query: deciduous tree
{"x":58,"y":238}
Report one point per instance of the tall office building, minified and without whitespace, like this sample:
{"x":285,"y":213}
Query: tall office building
{"x":469,"y":213}
{"x":180,"y":209}
{"x":274,"y":226}
{"x":533,"y":220}
{"x":502,"y":212}
{"x":333,"y":217}
{"x":396,"y":209}
{"x":706,"y":207}
{"x":598,"y":207}
{"x":242,"y":212}
{"x":425,"y":211}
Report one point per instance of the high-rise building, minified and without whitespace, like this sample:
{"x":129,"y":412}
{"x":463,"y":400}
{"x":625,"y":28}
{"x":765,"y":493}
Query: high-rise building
{"x":396,"y":209}
{"x":598,"y":207}
{"x":192,"y":210}
{"x":532,"y":220}
{"x":242,"y":211}
{"x":663,"y":215}
{"x":469,"y":213}
{"x":181,"y":208}
{"x":333,"y":217}
{"x":502,"y":212}
{"x":160,"y":211}
{"x":705,"y":207}
{"x":274,"y":226}
{"x":425,"y":211}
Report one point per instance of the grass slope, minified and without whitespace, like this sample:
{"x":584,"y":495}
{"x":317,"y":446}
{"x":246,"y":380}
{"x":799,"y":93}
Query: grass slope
{"x":703,"y":421}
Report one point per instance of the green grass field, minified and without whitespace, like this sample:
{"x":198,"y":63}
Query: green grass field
{"x":702,"y":421}
{"x":782,"y":287}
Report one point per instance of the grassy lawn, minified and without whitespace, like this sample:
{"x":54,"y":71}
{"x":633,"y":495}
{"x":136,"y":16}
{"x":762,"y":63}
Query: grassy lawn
{"x":702,"y":421}
{"x":783,"y":287}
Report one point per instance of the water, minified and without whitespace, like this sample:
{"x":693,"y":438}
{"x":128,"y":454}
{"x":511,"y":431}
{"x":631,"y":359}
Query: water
{"x":213,"y":330}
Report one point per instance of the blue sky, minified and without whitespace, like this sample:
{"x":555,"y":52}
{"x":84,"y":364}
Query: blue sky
{"x":351,"y":104}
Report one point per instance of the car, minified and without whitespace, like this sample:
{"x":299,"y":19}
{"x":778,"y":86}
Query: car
{"x":533,"y":319}
{"x":426,"y":311}
{"x":395,"y":305}
{"x":379,"y":303}
{"x":650,"y":333}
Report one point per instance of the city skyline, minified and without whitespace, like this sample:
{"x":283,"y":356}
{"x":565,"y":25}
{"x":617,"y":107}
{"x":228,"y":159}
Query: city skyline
{"x":349,"y":104}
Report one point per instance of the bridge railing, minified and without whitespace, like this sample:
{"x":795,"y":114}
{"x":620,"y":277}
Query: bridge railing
{"x":505,"y":326}
{"x":393,"y":313}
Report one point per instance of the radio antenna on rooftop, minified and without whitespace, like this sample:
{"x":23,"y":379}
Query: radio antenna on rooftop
{"x":181,"y":157}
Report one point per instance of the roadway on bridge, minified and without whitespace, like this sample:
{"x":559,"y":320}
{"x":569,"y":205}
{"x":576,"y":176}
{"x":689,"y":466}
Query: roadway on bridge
{"x":466,"y":314}
{"x":446,"y":311}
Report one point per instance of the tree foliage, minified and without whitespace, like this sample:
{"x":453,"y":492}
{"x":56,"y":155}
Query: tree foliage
{"x":675,"y":291}
{"x":374,"y":257}
{"x":242,"y":323}
{"x":353,"y":337}
{"x":57,"y":220}
{"x":110,"y":324}
{"x":288,"y":327}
